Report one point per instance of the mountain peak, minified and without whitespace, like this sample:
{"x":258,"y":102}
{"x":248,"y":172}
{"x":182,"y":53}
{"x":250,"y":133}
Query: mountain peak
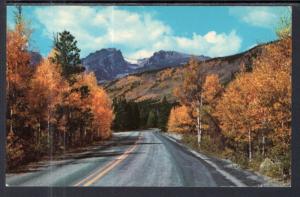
{"x":166,"y":52}
{"x":110,"y":50}
{"x":109,"y":63}
{"x":105,"y":51}
{"x":164,"y":58}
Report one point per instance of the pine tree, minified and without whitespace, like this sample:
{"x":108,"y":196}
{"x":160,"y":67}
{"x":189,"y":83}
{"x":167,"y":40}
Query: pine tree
{"x":152,"y":119}
{"x":18,"y":15}
{"x":67,"y":55}
{"x":164,"y":112}
{"x":135,"y":116}
{"x":121,"y":111}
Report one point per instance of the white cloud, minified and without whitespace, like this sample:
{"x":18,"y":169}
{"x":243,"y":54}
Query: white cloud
{"x":211,"y":44}
{"x":137,"y":34}
{"x":260,"y":16}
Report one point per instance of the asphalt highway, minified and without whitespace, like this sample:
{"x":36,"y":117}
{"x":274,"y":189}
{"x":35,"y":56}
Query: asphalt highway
{"x":137,"y":158}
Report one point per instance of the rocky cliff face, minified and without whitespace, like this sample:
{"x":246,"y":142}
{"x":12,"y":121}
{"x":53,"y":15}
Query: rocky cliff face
{"x":162,"y":59}
{"x":109,"y":64}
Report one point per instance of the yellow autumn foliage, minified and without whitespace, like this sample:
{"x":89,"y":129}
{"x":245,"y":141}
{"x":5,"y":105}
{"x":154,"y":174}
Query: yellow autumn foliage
{"x":180,"y":120}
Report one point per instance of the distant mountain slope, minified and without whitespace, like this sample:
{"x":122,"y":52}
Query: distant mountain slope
{"x":109,"y":64}
{"x":164,"y":59}
{"x":156,"y":84}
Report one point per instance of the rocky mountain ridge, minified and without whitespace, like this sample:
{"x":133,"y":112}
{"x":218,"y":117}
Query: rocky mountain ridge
{"x":109,"y":63}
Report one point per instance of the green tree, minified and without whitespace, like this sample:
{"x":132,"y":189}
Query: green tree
{"x":164,"y":111}
{"x":19,"y":19}
{"x":144,"y":108}
{"x":66,"y":53}
{"x":121,"y":114}
{"x":135,"y":115}
{"x":152,"y":119}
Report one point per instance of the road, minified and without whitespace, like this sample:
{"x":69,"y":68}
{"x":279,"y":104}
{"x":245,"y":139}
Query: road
{"x":138,"y":158}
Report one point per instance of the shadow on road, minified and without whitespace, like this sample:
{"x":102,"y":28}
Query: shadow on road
{"x":81,"y":155}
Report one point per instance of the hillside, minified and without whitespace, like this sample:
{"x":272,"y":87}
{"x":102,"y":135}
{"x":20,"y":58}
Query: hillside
{"x":158,"y":83}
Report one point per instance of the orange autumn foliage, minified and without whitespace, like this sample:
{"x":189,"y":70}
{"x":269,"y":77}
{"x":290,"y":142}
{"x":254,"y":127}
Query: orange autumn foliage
{"x":211,"y":88}
{"x":46,"y":112}
{"x":236,"y":107}
{"x":47,"y":86}
{"x":17,"y":56}
{"x":260,"y":102}
{"x":180,"y":120}
{"x":189,"y":93}
{"x":100,"y":104}
{"x":18,"y":74}
{"x":46,"y":90}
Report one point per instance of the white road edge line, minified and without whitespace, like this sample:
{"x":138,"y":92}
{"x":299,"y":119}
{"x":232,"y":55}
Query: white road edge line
{"x":228,"y":176}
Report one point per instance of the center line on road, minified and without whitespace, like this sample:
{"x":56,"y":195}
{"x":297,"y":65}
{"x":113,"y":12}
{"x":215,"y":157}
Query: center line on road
{"x":108,"y":167}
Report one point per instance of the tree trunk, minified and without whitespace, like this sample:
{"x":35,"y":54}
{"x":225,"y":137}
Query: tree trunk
{"x":10,"y":106}
{"x":48,"y":126}
{"x":64,"y":136}
{"x":49,"y":133}
{"x":81,"y":136}
{"x":199,"y":123}
{"x":198,"y":126}
{"x":263,"y":138}
{"x":249,"y":144}
{"x":11,"y":120}
{"x":200,"y":115}
{"x":39,"y":133}
{"x":263,"y":143}
{"x":69,"y":140}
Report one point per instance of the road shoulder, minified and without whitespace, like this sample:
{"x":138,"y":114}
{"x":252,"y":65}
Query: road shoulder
{"x":231,"y":171}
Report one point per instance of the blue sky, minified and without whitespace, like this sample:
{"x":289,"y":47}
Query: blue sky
{"x":138,"y":31}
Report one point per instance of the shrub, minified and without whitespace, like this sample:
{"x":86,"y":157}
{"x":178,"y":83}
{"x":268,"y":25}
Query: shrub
{"x":270,"y":168}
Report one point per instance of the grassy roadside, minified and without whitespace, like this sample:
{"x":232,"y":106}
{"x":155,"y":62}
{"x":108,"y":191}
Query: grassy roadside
{"x":212,"y":148}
